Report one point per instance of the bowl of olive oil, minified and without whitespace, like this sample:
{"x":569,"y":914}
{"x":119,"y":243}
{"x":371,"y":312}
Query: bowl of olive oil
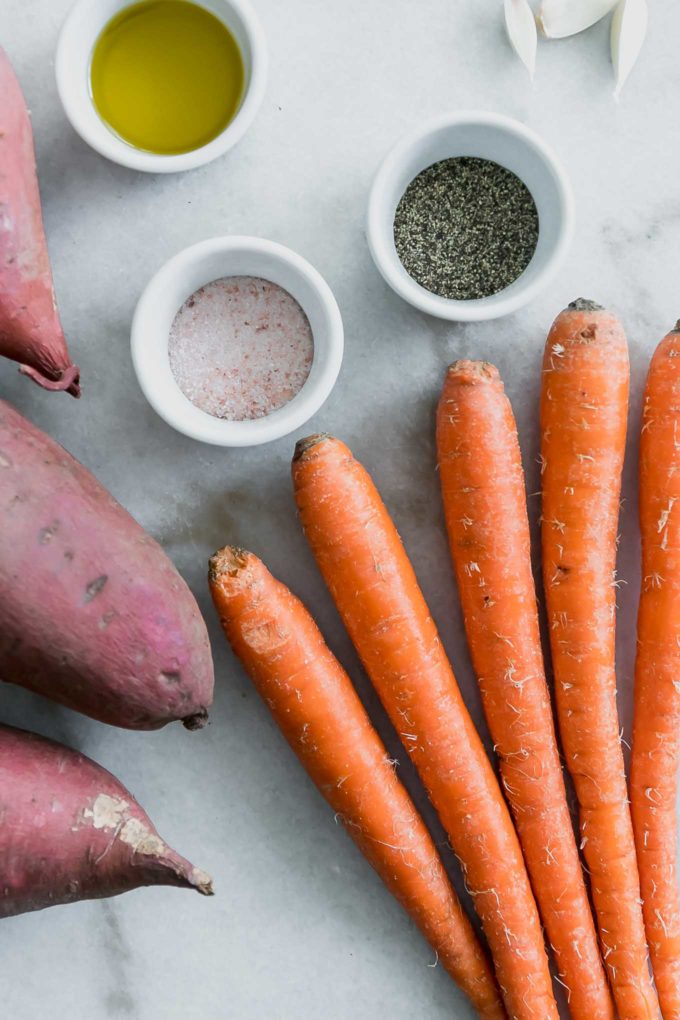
{"x":161,"y":85}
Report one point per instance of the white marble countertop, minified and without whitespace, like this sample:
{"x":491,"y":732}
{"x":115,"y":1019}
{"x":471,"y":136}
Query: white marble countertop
{"x":300,"y":927}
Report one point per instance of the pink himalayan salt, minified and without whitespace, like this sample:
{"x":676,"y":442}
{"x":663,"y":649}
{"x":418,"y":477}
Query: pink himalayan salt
{"x":240,"y":348}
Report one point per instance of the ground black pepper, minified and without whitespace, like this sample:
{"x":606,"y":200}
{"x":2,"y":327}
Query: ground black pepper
{"x":466,"y":228}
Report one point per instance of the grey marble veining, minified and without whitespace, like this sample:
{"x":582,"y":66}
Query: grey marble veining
{"x":300,"y":927}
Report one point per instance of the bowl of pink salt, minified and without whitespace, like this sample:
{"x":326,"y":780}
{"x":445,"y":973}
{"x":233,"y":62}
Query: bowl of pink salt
{"x":237,"y":341}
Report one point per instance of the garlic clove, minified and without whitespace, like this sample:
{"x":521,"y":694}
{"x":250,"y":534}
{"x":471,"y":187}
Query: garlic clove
{"x":560,"y":18}
{"x":520,"y":24}
{"x":629,"y":27}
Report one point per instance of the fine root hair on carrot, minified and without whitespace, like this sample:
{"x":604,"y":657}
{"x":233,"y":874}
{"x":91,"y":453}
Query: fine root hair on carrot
{"x":367,"y":571}
{"x":319,"y":713}
{"x":584,"y":405}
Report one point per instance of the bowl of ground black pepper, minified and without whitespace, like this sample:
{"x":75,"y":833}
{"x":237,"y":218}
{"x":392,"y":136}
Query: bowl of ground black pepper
{"x":470,"y":216}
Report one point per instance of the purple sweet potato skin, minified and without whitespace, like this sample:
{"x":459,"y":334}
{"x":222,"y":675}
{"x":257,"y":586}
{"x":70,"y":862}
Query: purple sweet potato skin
{"x":30,"y":330}
{"x":92,"y":612}
{"x":70,"y":831}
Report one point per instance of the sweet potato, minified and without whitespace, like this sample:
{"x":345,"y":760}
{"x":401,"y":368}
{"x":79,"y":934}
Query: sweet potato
{"x":92,"y":612}
{"x":30,"y":330}
{"x":70,"y":831}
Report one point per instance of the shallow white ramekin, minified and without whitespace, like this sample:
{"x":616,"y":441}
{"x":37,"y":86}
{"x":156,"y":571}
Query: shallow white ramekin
{"x":193,"y":268}
{"x":487,"y":136}
{"x":81,"y":29}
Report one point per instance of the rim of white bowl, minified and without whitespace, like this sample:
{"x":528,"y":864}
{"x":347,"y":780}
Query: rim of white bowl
{"x":381,"y":241}
{"x":108,"y":144}
{"x":253,"y":432}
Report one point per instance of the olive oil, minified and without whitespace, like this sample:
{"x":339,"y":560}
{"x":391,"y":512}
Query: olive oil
{"x":167,"y":76}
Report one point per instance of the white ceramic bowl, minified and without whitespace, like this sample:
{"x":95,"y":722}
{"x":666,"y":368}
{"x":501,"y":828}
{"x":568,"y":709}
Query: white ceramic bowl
{"x":81,"y":29}
{"x":193,"y":268}
{"x":487,"y":136}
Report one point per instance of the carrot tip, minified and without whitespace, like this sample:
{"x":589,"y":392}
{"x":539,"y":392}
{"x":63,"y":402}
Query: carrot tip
{"x":228,"y":560}
{"x":585,"y":305}
{"x":473,"y":371}
{"x":303,"y":445}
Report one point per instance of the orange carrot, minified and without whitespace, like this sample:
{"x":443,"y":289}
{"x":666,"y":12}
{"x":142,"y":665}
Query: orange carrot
{"x":480,"y":470}
{"x":584,"y":402}
{"x":315,"y":705}
{"x":375,"y":589}
{"x":656,"y":731}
